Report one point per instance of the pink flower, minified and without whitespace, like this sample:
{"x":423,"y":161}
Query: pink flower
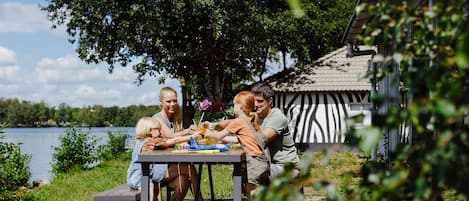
{"x":205,"y":104}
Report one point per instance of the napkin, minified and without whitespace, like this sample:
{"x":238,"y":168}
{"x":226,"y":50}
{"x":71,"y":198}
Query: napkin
{"x":194,"y":146}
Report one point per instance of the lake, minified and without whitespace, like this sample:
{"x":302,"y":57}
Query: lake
{"x":40,"y":143}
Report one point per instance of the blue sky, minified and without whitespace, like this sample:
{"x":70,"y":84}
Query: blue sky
{"x":39,"y":64}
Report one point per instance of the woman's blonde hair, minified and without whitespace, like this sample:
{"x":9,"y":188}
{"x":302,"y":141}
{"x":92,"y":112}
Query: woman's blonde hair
{"x":144,"y":124}
{"x":246,"y":100}
{"x":177,"y":120}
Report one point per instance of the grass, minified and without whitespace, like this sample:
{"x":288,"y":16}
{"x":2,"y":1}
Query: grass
{"x":341,"y":169}
{"x":82,"y":185}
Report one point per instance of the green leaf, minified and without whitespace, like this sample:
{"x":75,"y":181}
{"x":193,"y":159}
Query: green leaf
{"x":295,"y":6}
{"x":370,"y":137}
{"x":462,"y":52}
{"x":445,"y":108}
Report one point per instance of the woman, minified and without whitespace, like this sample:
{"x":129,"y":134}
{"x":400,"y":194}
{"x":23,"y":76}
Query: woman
{"x":245,"y":127}
{"x":182,"y":175}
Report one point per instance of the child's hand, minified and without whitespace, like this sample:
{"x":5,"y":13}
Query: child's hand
{"x":207,"y":124}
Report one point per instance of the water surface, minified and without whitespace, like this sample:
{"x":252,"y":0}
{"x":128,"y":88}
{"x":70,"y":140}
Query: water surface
{"x":40,"y":143}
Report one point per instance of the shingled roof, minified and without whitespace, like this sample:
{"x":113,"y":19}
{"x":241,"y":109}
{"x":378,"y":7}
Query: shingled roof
{"x":332,"y":72}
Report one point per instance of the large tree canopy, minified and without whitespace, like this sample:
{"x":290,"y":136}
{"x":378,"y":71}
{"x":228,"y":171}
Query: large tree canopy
{"x":210,"y":46}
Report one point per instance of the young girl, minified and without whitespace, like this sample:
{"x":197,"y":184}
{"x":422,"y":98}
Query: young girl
{"x":147,"y":137}
{"x":245,"y":127}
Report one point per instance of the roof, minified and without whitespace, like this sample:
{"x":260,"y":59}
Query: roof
{"x":355,"y":25}
{"x":332,"y":72}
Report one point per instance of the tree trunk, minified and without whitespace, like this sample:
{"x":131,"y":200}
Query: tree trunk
{"x":187,"y":107}
{"x":216,"y":88}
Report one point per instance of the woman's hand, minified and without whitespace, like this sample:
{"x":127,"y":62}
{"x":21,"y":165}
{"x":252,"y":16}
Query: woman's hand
{"x":196,"y":136}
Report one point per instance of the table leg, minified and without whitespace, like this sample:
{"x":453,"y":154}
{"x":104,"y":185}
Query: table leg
{"x":198,"y":184}
{"x":145,"y":182}
{"x":212,"y":195}
{"x":237,"y":181}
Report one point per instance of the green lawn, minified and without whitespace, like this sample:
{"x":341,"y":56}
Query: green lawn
{"x":342,"y":169}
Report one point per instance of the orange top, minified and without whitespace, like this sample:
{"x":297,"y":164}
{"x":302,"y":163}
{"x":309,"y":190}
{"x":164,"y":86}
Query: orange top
{"x":239,"y":127}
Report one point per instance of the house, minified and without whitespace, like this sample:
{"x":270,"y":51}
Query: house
{"x":388,"y":87}
{"x":318,"y":98}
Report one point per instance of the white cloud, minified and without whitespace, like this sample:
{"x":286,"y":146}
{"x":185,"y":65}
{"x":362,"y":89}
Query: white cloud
{"x":9,"y":90}
{"x":67,"y":69}
{"x":88,"y":94}
{"x":7,"y":56}
{"x":18,"y":17}
{"x":9,"y":70}
{"x":149,"y":98}
{"x":122,"y":74}
{"x":9,"y":74}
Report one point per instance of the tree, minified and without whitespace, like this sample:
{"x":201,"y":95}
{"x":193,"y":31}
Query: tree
{"x":63,"y":114}
{"x":210,"y":46}
{"x":310,"y":36}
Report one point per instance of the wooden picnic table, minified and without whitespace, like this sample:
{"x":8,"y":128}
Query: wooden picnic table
{"x":236,"y":157}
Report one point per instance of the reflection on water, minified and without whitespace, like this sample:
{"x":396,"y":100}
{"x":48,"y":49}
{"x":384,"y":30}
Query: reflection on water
{"x":40,"y":143}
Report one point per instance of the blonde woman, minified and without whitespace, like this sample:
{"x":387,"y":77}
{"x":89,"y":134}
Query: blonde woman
{"x":171,"y":127}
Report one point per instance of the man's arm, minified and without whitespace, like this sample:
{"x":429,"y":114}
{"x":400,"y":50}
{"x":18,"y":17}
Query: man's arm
{"x":269,"y":133}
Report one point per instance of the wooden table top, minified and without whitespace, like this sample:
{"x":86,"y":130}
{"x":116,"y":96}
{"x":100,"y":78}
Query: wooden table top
{"x":181,"y":156}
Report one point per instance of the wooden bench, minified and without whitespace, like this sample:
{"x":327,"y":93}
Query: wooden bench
{"x":119,"y":193}
{"x":123,"y":193}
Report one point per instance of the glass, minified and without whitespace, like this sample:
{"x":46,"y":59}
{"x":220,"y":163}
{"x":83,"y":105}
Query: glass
{"x":201,"y":129}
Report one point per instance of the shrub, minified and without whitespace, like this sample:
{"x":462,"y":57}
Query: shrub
{"x":77,"y":150}
{"x":14,"y":166}
{"x":114,"y":147}
{"x":16,"y":196}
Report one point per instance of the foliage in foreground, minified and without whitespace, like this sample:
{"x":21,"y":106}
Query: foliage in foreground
{"x":431,"y":46}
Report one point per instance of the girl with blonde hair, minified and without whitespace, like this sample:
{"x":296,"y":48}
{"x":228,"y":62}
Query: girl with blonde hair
{"x":147,"y":137}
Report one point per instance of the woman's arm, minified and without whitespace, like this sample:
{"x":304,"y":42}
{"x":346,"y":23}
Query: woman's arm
{"x":176,"y":140}
{"x":184,"y":132}
{"x":165,"y":130}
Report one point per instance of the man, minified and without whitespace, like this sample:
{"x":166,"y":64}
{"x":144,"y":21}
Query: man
{"x":274,"y":125}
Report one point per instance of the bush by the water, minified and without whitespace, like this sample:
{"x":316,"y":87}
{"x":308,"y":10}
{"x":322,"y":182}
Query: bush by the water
{"x":77,"y":150}
{"x":14,"y":166}
{"x":114,"y":147}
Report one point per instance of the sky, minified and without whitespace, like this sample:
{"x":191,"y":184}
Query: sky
{"x":37,"y":63}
